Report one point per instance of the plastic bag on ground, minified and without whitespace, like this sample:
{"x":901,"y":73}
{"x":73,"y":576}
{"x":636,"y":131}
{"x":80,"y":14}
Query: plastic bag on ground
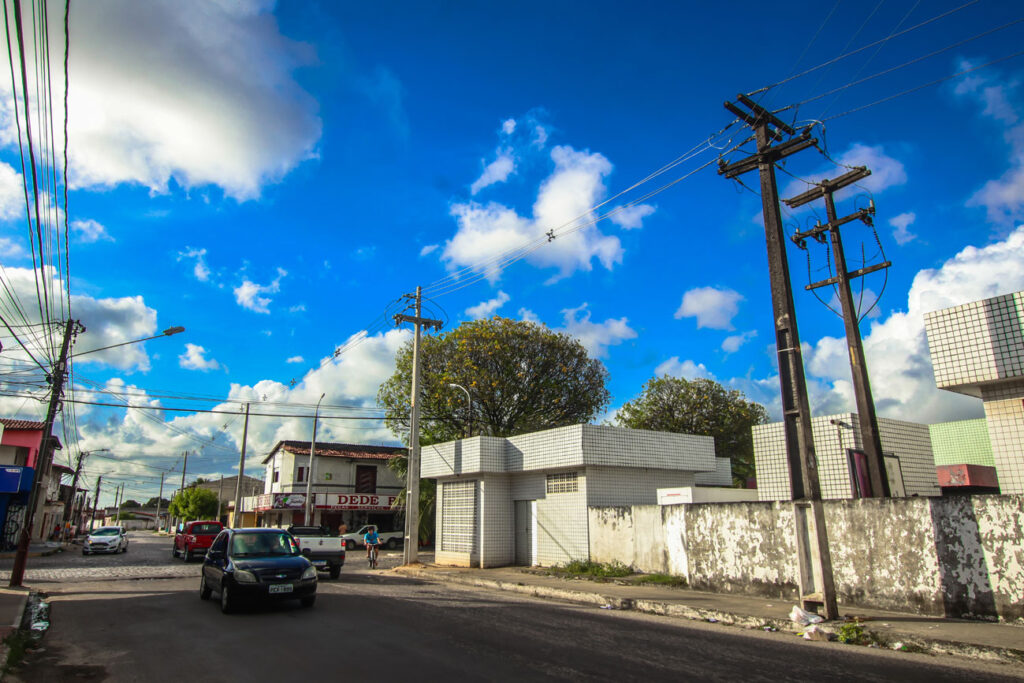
{"x":817,"y":633}
{"x":803,"y":617}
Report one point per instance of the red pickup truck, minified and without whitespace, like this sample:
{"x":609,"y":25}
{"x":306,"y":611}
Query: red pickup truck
{"x":195,"y":538}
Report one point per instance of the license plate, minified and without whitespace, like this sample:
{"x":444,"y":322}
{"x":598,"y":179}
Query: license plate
{"x":280,"y":588}
{"x":320,"y":563}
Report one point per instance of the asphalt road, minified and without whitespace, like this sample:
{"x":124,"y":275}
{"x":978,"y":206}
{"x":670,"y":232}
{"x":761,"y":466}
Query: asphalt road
{"x":376,"y":624}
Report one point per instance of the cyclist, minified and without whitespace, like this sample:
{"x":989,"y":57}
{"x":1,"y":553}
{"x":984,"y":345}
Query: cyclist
{"x":372,"y":541}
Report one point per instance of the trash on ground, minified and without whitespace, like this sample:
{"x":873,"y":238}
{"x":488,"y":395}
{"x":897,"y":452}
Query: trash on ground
{"x":40,"y":616}
{"x":607,"y":607}
{"x":816,"y":632}
{"x":769,"y":628}
{"x":803,"y":617}
{"x":712,"y":620}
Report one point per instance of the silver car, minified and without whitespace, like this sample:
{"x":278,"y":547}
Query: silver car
{"x":106,"y":539}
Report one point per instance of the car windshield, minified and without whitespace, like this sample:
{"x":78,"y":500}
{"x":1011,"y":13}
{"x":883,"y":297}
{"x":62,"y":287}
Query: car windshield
{"x":252,"y":545}
{"x":109,"y":531}
{"x":211,"y":529}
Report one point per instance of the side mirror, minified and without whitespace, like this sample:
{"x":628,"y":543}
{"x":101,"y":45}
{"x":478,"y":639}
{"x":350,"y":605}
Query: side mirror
{"x":215,"y":554}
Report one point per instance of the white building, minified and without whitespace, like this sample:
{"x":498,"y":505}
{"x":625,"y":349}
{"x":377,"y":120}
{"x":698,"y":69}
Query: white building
{"x":838,"y":446}
{"x":978,"y":349}
{"x":523,"y":500}
{"x":351,"y":483}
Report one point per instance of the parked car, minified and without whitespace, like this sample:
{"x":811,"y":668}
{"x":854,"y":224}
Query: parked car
{"x":389,"y":539}
{"x":257,"y":564}
{"x":325,"y":550}
{"x":106,"y":539}
{"x":194,"y":538}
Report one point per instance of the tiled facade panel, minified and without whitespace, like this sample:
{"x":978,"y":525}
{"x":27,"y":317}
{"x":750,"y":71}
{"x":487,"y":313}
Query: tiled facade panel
{"x":909,"y":441}
{"x":964,"y":442}
{"x":641,"y":448}
{"x":497,"y":540}
{"x":978,"y":342}
{"x":562,"y":447}
{"x":562,"y":526}
{"x":608,"y":486}
{"x":722,"y":476}
{"x":1004,"y":414}
{"x":527,"y":486}
{"x":458,"y":520}
{"x":478,"y":454}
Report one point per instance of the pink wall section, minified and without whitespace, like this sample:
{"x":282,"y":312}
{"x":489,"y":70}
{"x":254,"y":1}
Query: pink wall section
{"x":28,"y":438}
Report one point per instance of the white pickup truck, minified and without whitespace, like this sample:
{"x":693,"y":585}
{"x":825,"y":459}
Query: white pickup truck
{"x":325,"y":551}
{"x":389,"y":539}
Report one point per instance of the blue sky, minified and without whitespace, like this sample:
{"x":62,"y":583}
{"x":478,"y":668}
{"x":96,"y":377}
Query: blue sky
{"x":272,"y":177}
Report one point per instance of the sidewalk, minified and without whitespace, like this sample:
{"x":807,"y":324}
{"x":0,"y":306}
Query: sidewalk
{"x":39,"y":549}
{"x":935,"y":635}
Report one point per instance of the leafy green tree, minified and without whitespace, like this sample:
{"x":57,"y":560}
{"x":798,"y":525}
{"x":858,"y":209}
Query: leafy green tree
{"x":699,"y":406}
{"x":130,"y":503}
{"x":151,"y":503}
{"x":193,"y":503}
{"x":522,"y":378}
{"x":428,"y":497}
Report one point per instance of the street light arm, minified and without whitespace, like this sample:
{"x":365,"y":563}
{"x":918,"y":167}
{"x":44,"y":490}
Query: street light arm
{"x":166,"y":333}
{"x":469,"y":407}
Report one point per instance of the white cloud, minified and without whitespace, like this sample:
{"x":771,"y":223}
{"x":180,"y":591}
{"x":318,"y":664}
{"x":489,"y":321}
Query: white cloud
{"x":901,"y":223}
{"x":204,"y":97}
{"x":11,"y":250}
{"x":732,"y":343}
{"x":12,"y":193}
{"x":540,"y":136}
{"x":485,"y":308}
{"x":595,"y":337}
{"x":89,"y":231}
{"x":428,"y":249}
{"x":864,"y":301}
{"x":686,"y":369}
{"x":886,"y":172}
{"x":248,"y":293}
{"x":297,"y":308}
{"x":295,"y":359}
{"x":199,"y":268}
{"x":712,"y":307}
{"x":631,"y":217}
{"x":195,"y":358}
{"x":497,"y":171}
{"x":508,"y":126}
{"x":528,"y":315}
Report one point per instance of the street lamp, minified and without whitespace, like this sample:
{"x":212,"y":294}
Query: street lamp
{"x":166,"y":333}
{"x":309,"y":470}
{"x":469,"y":408}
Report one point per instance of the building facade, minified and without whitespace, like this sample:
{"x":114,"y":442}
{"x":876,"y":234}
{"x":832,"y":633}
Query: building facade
{"x":909,"y":462}
{"x":20,"y":461}
{"x":977,"y":349}
{"x":523,"y":500}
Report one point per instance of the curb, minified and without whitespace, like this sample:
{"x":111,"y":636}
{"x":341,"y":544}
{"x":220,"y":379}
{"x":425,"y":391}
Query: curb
{"x":933,"y":646}
{"x":37,"y":553}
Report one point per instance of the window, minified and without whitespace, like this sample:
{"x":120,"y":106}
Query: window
{"x":563,"y":482}
{"x":302,"y":475}
{"x":277,"y":475}
{"x":366,"y":479}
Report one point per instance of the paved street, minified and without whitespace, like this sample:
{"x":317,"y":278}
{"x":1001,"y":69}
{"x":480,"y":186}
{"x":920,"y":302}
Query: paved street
{"x":372,"y":624}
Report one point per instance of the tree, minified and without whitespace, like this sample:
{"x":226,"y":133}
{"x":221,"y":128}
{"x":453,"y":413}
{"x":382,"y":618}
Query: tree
{"x":700,"y":406}
{"x":151,"y":503}
{"x":130,"y":503}
{"x":193,"y":503}
{"x":428,"y":497}
{"x":522,"y":378}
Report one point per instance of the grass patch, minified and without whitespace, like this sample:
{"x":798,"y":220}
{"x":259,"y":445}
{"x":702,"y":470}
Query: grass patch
{"x":661,"y":580}
{"x":591,"y":570}
{"x":855,"y":634}
{"x":17,"y":644}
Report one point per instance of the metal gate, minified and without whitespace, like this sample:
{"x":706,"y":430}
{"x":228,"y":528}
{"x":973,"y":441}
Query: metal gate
{"x":12,"y":527}
{"x":526,"y":550}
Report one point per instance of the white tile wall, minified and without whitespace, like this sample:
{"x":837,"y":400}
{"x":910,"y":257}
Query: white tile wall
{"x":722,"y":476}
{"x":617,"y":486}
{"x":1004,"y":414}
{"x":562,"y":526}
{"x":497,"y":520}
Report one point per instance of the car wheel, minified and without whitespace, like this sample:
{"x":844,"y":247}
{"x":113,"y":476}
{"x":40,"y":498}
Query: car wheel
{"x":204,"y":590}
{"x":227,"y":601}
{"x":174,"y":552}
{"x":335,"y":571}
{"x":308,"y":601}
{"x":350,"y":544}
{"x":186,"y":557}
{"x":125,"y":548}
{"x":84,"y":551}
{"x":392,"y":544}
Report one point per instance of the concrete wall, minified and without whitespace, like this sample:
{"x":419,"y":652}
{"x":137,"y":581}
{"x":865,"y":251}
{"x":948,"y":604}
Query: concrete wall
{"x":958,"y":557}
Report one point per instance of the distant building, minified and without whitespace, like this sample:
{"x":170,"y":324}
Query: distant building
{"x":224,"y":489}
{"x":977,"y":349}
{"x":909,"y":464}
{"x":963,"y":457}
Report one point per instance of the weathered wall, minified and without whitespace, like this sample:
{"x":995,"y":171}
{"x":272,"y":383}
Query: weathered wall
{"x":958,"y":557}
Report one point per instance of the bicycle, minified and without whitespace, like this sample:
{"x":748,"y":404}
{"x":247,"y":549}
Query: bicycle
{"x":372,"y":556}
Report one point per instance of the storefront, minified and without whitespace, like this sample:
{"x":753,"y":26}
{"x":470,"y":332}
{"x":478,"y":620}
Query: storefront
{"x":330,"y":510}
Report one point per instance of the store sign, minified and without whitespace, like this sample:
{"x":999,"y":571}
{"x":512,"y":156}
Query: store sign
{"x":353,"y":501}
{"x":281,"y":501}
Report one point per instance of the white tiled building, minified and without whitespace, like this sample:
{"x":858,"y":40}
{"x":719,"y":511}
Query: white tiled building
{"x":978,"y":349}
{"x":907,"y":447}
{"x":523,"y":500}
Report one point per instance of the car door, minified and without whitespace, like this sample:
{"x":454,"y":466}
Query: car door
{"x":216,"y":560}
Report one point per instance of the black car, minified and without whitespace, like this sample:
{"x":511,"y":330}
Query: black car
{"x":257,"y":564}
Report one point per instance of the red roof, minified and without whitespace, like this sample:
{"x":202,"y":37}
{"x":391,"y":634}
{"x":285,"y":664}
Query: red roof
{"x":11,"y":423}
{"x":339,"y":450}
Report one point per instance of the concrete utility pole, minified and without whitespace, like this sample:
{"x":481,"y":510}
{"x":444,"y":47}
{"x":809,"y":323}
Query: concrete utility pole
{"x":871,"y":440}
{"x":95,"y":502}
{"x":69,"y":503}
{"x":814,"y":556}
{"x":309,"y":470}
{"x":184,"y":466}
{"x":220,"y":496}
{"x":120,"y":502}
{"x":44,"y":454}
{"x":241,"y":470}
{"x":412,"y":489}
{"x":159,"y":499}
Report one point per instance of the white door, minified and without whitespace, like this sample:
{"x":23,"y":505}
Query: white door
{"x":526,"y":554}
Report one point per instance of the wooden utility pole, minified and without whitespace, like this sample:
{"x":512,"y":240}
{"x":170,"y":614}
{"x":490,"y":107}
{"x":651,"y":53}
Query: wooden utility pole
{"x":870,"y":438}
{"x":412,"y":488}
{"x":814,"y":557}
{"x":69,"y":503}
{"x":241,"y":470}
{"x":159,"y":499}
{"x":95,"y":502}
{"x":44,"y":454}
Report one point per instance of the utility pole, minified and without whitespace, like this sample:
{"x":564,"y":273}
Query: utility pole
{"x":120,"y":501}
{"x":45,"y":452}
{"x":69,"y":503}
{"x":308,"y":512}
{"x":220,"y":496}
{"x":412,"y":488}
{"x":241,"y":470}
{"x":159,"y":499}
{"x":95,"y":502}
{"x":817,"y":585}
{"x":870,"y":438}
{"x":83,"y":505}
{"x":184,"y":466}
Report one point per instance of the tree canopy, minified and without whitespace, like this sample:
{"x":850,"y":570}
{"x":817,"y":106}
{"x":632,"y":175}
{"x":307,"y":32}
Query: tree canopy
{"x":193,"y":503}
{"x":699,"y":406}
{"x":151,"y":503}
{"x":130,"y":503}
{"x":522,"y":378}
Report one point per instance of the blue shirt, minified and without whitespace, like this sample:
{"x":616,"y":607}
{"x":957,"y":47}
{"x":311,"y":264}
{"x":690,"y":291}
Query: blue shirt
{"x":371,"y":538}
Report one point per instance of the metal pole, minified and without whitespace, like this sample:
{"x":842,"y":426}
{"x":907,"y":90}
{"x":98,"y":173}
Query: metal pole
{"x":309,"y":470}
{"x":469,"y":409}
{"x":241,"y":470}
{"x":159,"y":499}
{"x":95,"y":502}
